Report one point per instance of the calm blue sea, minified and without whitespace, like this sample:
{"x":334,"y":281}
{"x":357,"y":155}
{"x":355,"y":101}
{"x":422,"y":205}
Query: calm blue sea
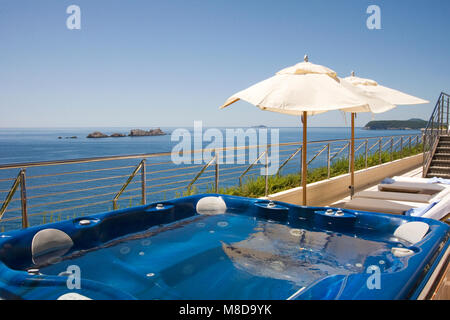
{"x":29,"y":145}
{"x":65,"y":191}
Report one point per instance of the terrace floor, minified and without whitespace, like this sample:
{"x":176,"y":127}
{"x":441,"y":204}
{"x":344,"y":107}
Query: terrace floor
{"x":415,"y":173}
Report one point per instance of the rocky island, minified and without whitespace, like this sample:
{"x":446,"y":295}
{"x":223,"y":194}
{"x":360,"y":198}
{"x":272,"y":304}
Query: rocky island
{"x":411,"y":124}
{"x":143,"y":133}
{"x":133,"y":133}
{"x":117,"y":135}
{"x":97,"y":134}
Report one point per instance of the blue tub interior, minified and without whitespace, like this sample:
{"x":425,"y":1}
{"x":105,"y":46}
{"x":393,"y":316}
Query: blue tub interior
{"x":255,"y":250}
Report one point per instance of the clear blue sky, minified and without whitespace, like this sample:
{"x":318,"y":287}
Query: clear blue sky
{"x":167,"y":63}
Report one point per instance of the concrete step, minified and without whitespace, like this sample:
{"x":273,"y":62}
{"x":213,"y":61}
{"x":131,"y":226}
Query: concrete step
{"x":438,"y":175}
{"x":435,"y":169}
{"x":444,"y":162}
{"x":441,"y":156}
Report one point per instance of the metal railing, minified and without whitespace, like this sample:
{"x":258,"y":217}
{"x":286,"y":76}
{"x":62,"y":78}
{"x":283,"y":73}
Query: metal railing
{"x":63,"y":189}
{"x":437,"y":125}
{"x":140,"y":167}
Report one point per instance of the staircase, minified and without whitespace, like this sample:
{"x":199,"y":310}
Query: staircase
{"x":436,"y":141}
{"x":440,"y":163}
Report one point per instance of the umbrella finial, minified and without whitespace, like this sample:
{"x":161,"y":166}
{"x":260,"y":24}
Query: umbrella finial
{"x":353,"y":73}
{"x":305,"y":58}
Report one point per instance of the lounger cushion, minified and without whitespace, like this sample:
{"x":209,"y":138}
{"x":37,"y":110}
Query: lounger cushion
{"x":400,"y":196}
{"x":376,"y":205}
{"x":412,"y":231}
{"x":411,"y":187}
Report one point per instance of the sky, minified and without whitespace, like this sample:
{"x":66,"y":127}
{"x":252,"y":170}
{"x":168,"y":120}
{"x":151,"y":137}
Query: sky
{"x":168,"y":63}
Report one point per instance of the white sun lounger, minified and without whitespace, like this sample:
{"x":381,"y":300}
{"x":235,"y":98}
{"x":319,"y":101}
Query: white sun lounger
{"x":421,"y":198}
{"x":400,"y":196}
{"x":382,"y":206}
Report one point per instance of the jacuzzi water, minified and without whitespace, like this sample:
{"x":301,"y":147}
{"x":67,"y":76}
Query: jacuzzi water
{"x":251,"y":251}
{"x":218,"y":257}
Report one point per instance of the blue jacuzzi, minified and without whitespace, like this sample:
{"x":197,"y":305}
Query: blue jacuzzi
{"x":222,"y":247}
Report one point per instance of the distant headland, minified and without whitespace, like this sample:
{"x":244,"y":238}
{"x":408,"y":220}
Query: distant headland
{"x":133,"y":133}
{"x":411,"y":124}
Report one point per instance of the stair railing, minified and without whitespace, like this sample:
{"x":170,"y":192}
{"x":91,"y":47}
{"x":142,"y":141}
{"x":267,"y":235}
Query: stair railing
{"x":437,"y":125}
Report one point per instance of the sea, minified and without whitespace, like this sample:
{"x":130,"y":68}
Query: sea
{"x":59,"y":192}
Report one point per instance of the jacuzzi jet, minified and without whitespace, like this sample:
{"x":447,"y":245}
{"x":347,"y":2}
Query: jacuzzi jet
{"x":329,"y":212}
{"x":125,"y":250}
{"x":84,"y":222}
{"x":339,"y":213}
{"x":271,"y":204}
{"x":159,"y":206}
{"x":34,"y":271}
{"x":401,"y":252}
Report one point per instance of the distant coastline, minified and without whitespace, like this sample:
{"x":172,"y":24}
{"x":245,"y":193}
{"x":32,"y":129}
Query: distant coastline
{"x":411,"y":124}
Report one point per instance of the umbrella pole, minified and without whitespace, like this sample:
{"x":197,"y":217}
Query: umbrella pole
{"x":304,"y":165}
{"x":352,"y":159}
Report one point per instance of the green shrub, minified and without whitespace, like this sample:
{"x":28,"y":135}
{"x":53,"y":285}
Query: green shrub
{"x":254,"y":187}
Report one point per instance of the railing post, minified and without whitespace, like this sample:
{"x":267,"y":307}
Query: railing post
{"x":442,"y":115}
{"x":10,"y":195}
{"x":379,"y":149}
{"x":401,"y":146}
{"x":266,"y":190}
{"x":349,"y":156}
{"x":391,"y":148}
{"x":143,"y":183}
{"x":366,"y":151}
{"x":217,"y":173}
{"x":23,"y":198}
{"x":448,"y":109}
{"x":135,"y":172}
{"x":328,"y":161}
{"x":409,"y":143}
{"x":439,"y":115}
